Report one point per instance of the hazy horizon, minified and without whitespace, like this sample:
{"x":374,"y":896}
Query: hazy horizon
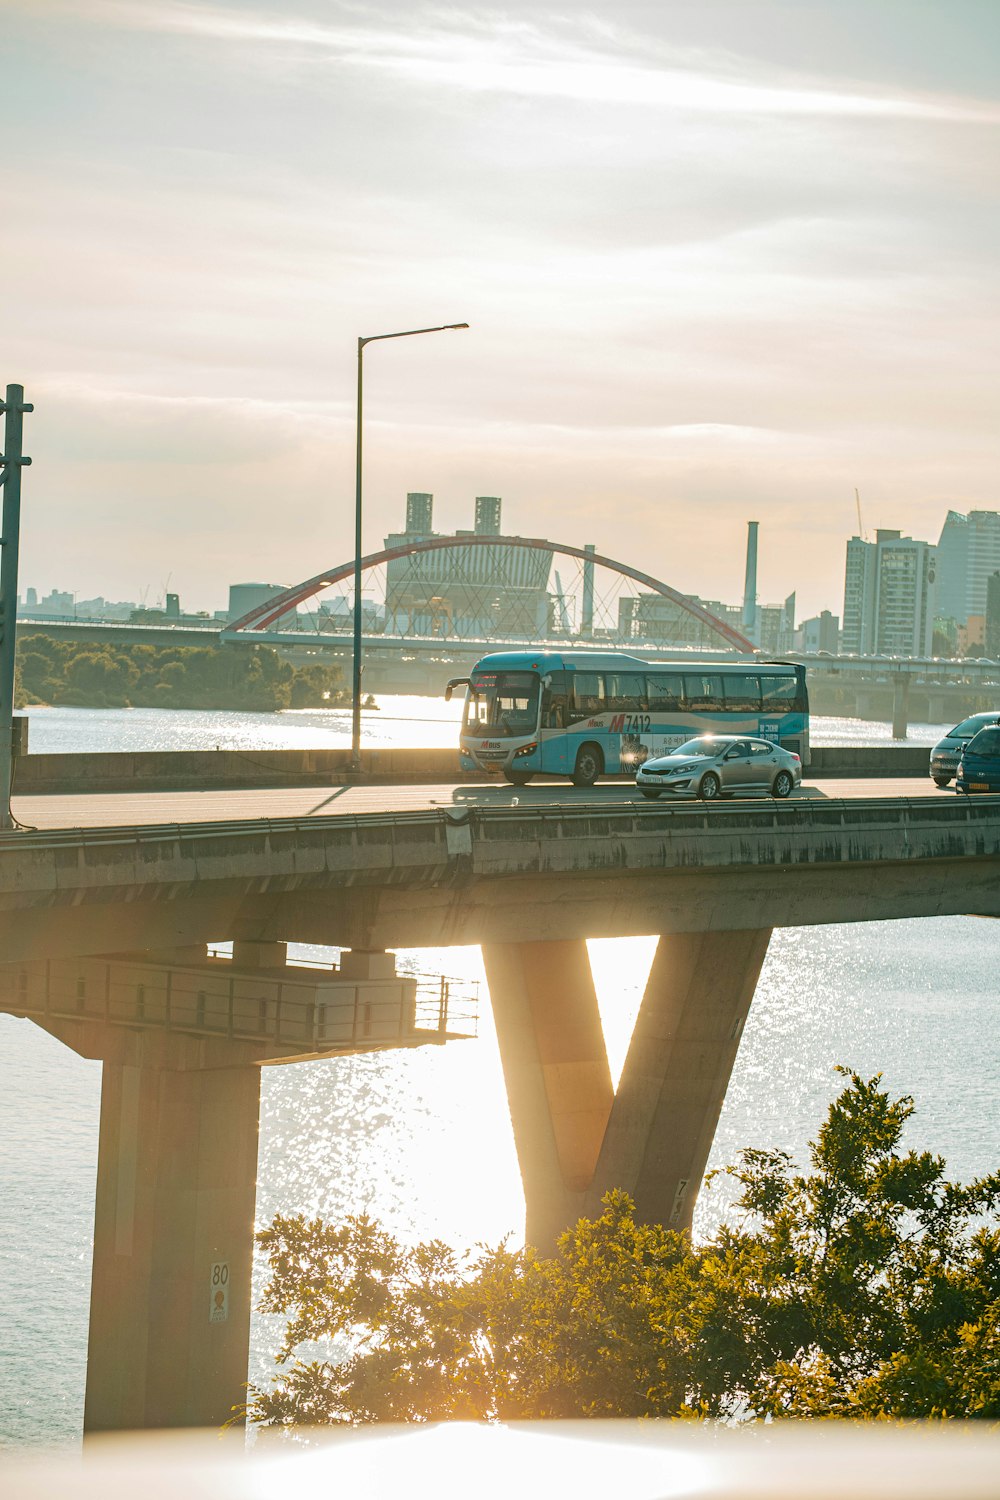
{"x":721,"y":262}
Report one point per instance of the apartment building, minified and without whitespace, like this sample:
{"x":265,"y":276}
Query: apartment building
{"x":889,"y":592}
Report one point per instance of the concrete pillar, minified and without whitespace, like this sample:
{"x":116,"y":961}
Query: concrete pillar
{"x":674,"y":1082}
{"x":173,"y":1244}
{"x":900,"y":705}
{"x":575,"y":1139}
{"x":556,"y":1069}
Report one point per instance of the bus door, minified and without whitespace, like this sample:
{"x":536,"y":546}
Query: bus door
{"x":555,"y":721}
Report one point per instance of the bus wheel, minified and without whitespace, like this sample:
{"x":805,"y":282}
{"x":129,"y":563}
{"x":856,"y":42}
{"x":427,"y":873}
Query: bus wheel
{"x":589,"y":765}
{"x":709,"y":789}
{"x":518,"y":778}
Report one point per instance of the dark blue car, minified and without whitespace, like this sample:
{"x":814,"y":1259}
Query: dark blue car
{"x":979,"y":767}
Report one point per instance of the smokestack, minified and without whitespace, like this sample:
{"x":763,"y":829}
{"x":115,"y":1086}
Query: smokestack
{"x":587,"y":612}
{"x":750,"y":583}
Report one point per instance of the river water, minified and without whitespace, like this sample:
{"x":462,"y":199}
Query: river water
{"x":422,"y":1138}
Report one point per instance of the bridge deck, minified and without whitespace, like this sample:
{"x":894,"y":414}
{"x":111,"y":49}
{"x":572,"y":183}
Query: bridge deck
{"x":390,"y":867}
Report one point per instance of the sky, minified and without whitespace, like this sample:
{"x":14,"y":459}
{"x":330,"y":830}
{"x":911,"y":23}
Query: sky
{"x":722,"y":260}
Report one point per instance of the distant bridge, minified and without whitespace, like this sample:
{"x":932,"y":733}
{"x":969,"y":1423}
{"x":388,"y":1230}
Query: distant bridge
{"x":931,"y":671}
{"x":272,"y":610}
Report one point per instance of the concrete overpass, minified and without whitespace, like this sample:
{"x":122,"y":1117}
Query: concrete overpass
{"x":105,"y":924}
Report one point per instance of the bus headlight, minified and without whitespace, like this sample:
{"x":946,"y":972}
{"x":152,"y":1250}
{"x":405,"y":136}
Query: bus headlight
{"x":526,"y":750}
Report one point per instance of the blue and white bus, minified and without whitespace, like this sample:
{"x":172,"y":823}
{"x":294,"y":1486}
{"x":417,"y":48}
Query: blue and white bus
{"x":586,"y":713}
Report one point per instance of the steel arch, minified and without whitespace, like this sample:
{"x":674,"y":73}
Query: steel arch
{"x":266,"y":614}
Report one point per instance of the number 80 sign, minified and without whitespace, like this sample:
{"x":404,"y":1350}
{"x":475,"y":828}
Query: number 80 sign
{"x":218,"y":1307}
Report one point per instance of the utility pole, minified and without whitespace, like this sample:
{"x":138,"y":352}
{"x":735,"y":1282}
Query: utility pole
{"x":12,"y":461}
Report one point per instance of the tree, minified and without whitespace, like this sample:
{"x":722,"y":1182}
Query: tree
{"x":235,"y":676}
{"x":869,"y":1287}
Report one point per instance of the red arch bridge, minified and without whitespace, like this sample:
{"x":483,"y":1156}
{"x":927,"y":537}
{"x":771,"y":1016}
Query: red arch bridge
{"x":502,"y":589}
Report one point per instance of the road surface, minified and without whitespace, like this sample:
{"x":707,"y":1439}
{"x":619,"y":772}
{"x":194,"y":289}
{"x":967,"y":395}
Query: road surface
{"x":115,"y":809}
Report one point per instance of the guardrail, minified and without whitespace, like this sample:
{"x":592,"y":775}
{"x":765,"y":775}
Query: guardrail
{"x":203,"y":770}
{"x":377,"y":840}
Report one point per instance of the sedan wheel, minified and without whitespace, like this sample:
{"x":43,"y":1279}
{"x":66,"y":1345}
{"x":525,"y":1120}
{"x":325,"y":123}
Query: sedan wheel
{"x":648,"y":791}
{"x":941,"y":780}
{"x":783,"y":784}
{"x":709,"y":789}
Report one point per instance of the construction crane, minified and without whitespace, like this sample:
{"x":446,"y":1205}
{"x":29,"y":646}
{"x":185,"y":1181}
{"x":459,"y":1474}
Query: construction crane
{"x":861,"y":529}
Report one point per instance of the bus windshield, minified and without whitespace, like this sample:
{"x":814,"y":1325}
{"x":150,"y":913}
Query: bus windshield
{"x":502,"y":704}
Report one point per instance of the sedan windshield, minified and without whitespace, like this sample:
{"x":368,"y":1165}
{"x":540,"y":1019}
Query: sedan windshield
{"x":707,"y":746}
{"x":967,"y":728}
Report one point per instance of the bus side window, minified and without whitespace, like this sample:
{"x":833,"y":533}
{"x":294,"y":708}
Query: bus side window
{"x":780,"y":695}
{"x":666,"y":692}
{"x":588,"y":696}
{"x":626,"y":693}
{"x":742,"y":693}
{"x":703,"y":691}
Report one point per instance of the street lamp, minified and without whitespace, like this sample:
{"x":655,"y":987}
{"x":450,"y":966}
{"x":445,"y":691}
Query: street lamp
{"x":356,"y":694}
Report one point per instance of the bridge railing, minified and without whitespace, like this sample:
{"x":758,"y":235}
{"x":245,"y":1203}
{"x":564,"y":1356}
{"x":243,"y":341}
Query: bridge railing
{"x":314,"y":1012}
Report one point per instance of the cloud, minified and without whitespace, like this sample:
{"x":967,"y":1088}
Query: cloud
{"x":520,"y":59}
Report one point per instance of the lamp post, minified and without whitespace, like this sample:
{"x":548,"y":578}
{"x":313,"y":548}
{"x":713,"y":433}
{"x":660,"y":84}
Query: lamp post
{"x":356,"y":693}
{"x":12,"y":461}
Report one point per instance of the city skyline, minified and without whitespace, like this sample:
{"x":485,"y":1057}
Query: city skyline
{"x":961,"y":572}
{"x":719,"y":262}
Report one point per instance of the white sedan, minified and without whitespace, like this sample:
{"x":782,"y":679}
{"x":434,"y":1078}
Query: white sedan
{"x":721,"y":765}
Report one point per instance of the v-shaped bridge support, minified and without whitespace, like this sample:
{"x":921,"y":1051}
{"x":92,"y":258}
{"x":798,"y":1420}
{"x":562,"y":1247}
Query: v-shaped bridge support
{"x":576,"y":1138}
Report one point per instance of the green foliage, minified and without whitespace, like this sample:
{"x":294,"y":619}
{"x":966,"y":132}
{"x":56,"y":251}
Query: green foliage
{"x":868,"y":1287}
{"x":84,"y":675}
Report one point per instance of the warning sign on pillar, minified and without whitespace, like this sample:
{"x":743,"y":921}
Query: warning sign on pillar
{"x":218,"y":1308}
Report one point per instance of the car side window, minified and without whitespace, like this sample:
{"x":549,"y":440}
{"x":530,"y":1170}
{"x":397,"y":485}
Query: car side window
{"x":757,"y":748}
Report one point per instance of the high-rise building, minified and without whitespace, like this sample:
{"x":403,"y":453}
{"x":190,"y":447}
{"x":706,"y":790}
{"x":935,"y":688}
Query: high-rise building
{"x":968,"y":553}
{"x":477,"y":590}
{"x":889,"y":592}
{"x":858,"y":632}
{"x":993,"y":616}
{"x":487,"y":521}
{"x":952,"y":567}
{"x":419,"y":513}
